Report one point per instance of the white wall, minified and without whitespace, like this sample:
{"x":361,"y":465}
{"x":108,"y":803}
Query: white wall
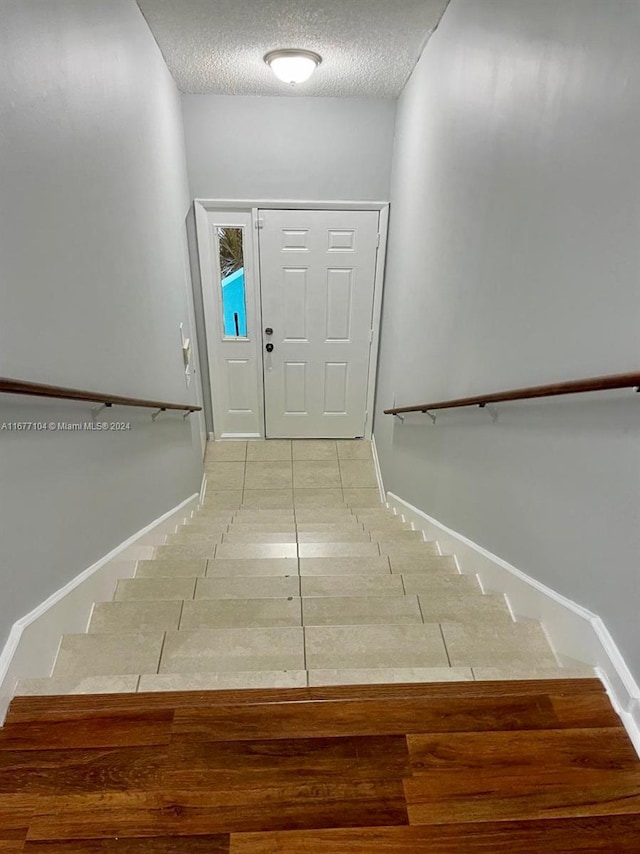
{"x":288,"y":147}
{"x":514,"y":260}
{"x":93,"y":286}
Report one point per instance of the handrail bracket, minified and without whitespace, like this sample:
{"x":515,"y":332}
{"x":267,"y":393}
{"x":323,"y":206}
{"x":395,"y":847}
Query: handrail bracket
{"x":155,"y":414}
{"x":491,"y":409}
{"x":431,"y":415}
{"x":399,"y":417}
{"x":96,"y":410}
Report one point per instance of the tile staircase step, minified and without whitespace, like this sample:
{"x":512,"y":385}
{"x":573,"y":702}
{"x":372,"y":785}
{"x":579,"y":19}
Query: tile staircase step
{"x":256,"y":550}
{"x":515,"y":645}
{"x":426,"y":563}
{"x":385,"y":525}
{"x":360,"y":610}
{"x":280,"y":499}
{"x":184,"y":538}
{"x":364,"y":647}
{"x":333,"y":549}
{"x":366,"y":566}
{"x":387,"y":675}
{"x":170,"y":568}
{"x":108,"y":654}
{"x":345,"y":523}
{"x":206,"y":650}
{"x":263,"y":527}
{"x":251,"y":567}
{"x":159,"y":589}
{"x":145,"y":616}
{"x":484,"y":674}
{"x":259,"y":587}
{"x":221,"y":516}
{"x":200,"y":530}
{"x":324,"y":515}
{"x":57,"y":685}
{"x":240,"y":613}
{"x":264,"y":513}
{"x":234,"y":536}
{"x":389,"y":535}
{"x":408,"y":548}
{"x":220,"y":680}
{"x":379,"y":584}
{"x":185,"y":551}
{"x":430,"y":582}
{"x":449,"y":606}
{"x":330,"y":497}
{"x":342,"y":535}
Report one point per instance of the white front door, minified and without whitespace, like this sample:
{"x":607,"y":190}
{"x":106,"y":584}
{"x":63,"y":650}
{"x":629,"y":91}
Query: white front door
{"x":317,"y":271}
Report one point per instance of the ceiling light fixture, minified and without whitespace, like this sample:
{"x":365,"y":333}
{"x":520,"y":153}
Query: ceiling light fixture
{"x":293,"y":66}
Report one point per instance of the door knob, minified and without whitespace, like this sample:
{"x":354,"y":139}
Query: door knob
{"x":268,"y":331}
{"x":269,"y":347}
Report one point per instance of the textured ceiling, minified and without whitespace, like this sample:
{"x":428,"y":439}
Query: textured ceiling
{"x":369,"y":47}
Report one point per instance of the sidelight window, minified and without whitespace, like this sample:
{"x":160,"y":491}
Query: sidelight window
{"x":232,"y":280}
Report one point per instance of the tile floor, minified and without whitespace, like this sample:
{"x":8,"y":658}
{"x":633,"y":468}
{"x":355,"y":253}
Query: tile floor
{"x":293,"y":573}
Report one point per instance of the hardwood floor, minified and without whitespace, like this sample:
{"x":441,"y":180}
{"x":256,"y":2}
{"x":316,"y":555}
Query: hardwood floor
{"x":539,"y":766}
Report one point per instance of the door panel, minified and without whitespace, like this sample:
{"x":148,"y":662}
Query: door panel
{"x":317,"y":276}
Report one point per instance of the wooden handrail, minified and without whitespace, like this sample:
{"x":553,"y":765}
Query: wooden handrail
{"x":606,"y":383}
{"x":9,"y":386}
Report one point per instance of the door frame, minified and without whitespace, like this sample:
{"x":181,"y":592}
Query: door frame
{"x":202,"y":207}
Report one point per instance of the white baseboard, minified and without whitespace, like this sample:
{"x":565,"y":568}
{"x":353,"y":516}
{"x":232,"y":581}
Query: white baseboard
{"x":225,"y":436}
{"x":574,"y":631}
{"x":376,"y":463}
{"x":32,"y":646}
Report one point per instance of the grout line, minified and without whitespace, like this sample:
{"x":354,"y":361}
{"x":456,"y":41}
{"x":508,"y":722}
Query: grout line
{"x":138,"y":680}
{"x":304,"y":649}
{"x":422,"y":617}
{"x":164,"y":638}
{"x":182,"y":608}
{"x":445,"y":643}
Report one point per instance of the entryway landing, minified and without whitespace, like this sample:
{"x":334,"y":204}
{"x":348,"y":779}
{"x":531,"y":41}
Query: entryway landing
{"x":282,"y":473}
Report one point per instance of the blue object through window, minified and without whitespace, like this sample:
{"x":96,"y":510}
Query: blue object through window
{"x":232,"y":279}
